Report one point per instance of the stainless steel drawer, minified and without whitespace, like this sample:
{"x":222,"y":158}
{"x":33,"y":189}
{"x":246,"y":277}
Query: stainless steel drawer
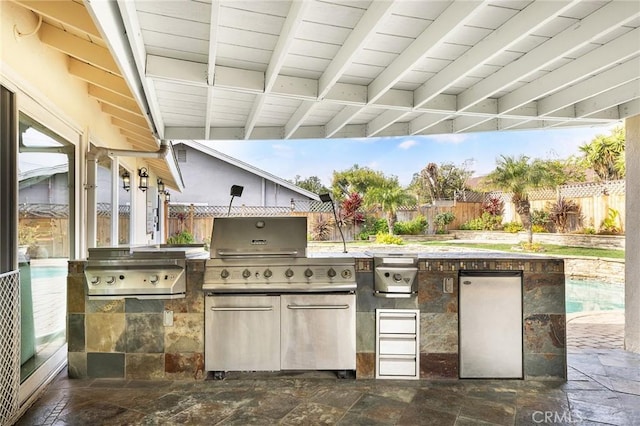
{"x":398,"y":323}
{"x":397,"y":345}
{"x":397,"y":366}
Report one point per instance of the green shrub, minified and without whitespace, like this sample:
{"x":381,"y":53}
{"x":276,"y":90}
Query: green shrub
{"x":589,"y":230}
{"x":513,"y":227}
{"x":539,"y":228}
{"x":611,"y":224}
{"x":472,"y":225}
{"x":442,"y":220}
{"x":386,"y":238}
{"x":487,"y":222}
{"x":416,"y":226}
{"x":183,"y":237}
{"x":540,"y":221}
{"x":372,"y":226}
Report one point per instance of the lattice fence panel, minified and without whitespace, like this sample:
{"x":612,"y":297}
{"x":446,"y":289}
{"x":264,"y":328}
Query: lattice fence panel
{"x":9,"y":344}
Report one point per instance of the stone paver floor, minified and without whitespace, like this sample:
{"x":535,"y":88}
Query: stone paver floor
{"x":603,"y":387}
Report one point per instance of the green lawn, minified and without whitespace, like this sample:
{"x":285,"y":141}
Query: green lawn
{"x":548,"y":249}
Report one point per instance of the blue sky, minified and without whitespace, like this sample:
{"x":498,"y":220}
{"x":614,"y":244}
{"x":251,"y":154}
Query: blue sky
{"x":403,"y":156}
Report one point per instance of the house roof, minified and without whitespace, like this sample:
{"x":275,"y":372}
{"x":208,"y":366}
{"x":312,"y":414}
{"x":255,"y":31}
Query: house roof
{"x":248,"y":167}
{"x":33,"y":176}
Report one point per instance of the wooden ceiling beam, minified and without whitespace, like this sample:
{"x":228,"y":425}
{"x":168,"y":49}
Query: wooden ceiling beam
{"x":78,"y":48}
{"x":129,"y":117}
{"x":99,"y":77}
{"x":147,"y":140}
{"x":68,"y":13}
{"x":137,"y":144}
{"x":113,"y":99}
{"x":142,"y":131}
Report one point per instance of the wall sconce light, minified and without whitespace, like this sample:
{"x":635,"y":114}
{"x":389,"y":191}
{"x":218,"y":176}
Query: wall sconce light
{"x":126,"y":181}
{"x":167,"y":196}
{"x":144,"y":179}
{"x":160,"y":186}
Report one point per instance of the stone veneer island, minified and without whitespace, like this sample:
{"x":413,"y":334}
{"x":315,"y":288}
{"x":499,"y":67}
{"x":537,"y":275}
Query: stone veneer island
{"x":126,"y":338}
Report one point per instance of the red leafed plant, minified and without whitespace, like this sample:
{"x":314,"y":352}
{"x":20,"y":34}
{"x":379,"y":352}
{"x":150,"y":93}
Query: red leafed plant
{"x":494,"y":206}
{"x":349,"y":209}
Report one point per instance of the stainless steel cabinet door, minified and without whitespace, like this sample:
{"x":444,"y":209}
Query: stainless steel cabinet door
{"x":242,"y":333}
{"x":490,"y":326}
{"x":318,"y":332}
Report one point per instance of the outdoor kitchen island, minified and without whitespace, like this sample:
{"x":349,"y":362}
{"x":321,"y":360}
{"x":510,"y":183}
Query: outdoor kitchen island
{"x":129,"y":338}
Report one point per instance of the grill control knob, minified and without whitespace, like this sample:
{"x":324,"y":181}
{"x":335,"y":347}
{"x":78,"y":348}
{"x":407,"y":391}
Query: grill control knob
{"x":397,"y":277}
{"x":308,"y":273}
{"x":288,"y":273}
{"x":224,"y":274}
{"x":331,"y":272}
{"x":246,"y":273}
{"x":95,"y":280}
{"x":268,"y":273}
{"x":153,"y":279}
{"x":346,"y":273}
{"x":110,"y":280}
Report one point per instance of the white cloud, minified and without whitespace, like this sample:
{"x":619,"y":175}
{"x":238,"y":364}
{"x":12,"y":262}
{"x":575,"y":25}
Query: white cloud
{"x":408,"y":144}
{"x":282,"y":150}
{"x":453,"y":138}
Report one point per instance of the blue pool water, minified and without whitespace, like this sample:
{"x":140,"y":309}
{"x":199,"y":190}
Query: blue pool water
{"x":588,"y":295}
{"x":48,"y":272}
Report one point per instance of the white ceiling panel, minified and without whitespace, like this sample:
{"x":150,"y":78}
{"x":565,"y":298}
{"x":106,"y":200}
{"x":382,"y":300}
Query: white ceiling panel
{"x":362,"y":68}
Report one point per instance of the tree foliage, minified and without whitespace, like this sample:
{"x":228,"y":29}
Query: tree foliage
{"x":519,"y":176}
{"x":356,"y":179}
{"x":388,"y":196}
{"x":441,"y":182}
{"x":311,"y":184}
{"x":605,"y":154}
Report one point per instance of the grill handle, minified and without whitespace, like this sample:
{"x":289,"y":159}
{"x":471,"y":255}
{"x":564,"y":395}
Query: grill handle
{"x":244,"y":309}
{"x":318,"y":306}
{"x":257,"y":253}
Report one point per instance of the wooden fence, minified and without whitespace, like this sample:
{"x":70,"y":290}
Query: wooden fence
{"x":596,"y":201}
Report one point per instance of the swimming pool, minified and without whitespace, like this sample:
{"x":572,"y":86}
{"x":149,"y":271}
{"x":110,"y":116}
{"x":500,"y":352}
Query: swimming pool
{"x":591,"y":295}
{"x":38,"y":272}
{"x":581,"y":295}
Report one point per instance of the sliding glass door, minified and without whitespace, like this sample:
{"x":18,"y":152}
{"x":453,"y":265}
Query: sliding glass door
{"x":45,"y":191}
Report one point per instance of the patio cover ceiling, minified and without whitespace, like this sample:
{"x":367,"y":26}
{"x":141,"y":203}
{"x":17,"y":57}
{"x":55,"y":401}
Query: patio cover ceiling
{"x":232,"y":69}
{"x":282,"y":69}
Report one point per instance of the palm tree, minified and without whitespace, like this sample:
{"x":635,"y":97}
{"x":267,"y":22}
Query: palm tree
{"x":605,"y":154}
{"x":389,"y":196}
{"x":518,"y":177}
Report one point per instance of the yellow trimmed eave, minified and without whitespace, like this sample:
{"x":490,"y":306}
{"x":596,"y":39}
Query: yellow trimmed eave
{"x":67,"y":26}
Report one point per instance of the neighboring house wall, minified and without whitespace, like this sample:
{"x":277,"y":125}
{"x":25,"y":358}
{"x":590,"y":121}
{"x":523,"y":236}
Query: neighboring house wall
{"x":208,"y":180}
{"x":51,"y":190}
{"x":54,"y":190}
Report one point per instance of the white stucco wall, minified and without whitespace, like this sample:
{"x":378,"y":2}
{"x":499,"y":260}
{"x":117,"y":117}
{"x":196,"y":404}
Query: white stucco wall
{"x":49,"y":94}
{"x":632,"y":232}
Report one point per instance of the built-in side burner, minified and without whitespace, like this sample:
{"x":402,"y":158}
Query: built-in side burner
{"x":150,"y":272}
{"x":395,"y":275}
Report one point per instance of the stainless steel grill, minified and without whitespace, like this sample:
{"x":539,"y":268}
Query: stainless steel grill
{"x":150,"y":272}
{"x":270,"y":307}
